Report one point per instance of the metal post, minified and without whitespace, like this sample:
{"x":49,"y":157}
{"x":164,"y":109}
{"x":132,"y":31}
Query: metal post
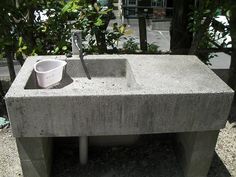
{"x":75,"y":50}
{"x":83,"y":149}
{"x":142,"y":33}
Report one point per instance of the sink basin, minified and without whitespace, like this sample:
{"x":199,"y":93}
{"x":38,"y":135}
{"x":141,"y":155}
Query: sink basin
{"x":106,"y":74}
{"x":128,"y":94}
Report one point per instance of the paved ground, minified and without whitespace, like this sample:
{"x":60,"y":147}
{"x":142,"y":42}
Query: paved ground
{"x":221,"y":61}
{"x":4,"y":73}
{"x":160,"y":38}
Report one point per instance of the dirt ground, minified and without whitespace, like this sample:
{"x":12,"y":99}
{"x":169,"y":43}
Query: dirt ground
{"x":152,"y":156}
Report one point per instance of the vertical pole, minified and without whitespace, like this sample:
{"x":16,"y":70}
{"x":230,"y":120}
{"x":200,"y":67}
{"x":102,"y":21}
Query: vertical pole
{"x":181,"y":37}
{"x":83,"y":149}
{"x":75,"y":50}
{"x":232,"y":72}
{"x":142,"y":33}
{"x":2,"y":93}
{"x":10,"y":64}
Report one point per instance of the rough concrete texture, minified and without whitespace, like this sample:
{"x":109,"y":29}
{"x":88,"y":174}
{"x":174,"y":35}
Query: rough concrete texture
{"x":9,"y":157}
{"x":35,"y":156}
{"x":222,"y":73}
{"x":195,"y":151}
{"x":156,"y":159}
{"x":128,"y":94}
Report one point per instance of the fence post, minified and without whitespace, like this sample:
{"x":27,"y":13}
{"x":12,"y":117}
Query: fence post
{"x":10,"y":64}
{"x":142,"y":33}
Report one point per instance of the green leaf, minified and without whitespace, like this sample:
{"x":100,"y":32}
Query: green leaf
{"x":24,"y":47}
{"x":44,"y":29}
{"x":99,"y":22}
{"x":96,"y":6}
{"x":228,"y":13}
{"x":67,"y":6}
{"x":104,"y":12}
{"x":20,"y":41}
{"x":56,"y":50}
{"x":122,"y":28}
{"x":64,"y":48}
{"x":207,"y":11}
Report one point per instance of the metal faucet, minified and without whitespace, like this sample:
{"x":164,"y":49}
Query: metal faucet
{"x":77,"y":42}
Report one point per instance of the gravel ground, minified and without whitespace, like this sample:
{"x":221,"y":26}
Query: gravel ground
{"x":9,"y":160}
{"x":152,"y":156}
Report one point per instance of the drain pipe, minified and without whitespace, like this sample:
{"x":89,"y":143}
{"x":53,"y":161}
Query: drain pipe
{"x":83,"y":140}
{"x":83,"y":149}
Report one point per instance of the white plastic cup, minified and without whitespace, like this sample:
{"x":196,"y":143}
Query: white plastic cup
{"x":49,"y":72}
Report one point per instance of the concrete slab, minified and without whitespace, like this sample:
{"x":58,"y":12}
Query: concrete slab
{"x":35,"y":168}
{"x":169,"y":94}
{"x":33,"y":148}
{"x":35,"y":156}
{"x":195,"y":151}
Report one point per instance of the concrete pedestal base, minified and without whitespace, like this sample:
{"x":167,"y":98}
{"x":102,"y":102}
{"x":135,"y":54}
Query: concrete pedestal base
{"x":35,"y":156}
{"x":195,"y":151}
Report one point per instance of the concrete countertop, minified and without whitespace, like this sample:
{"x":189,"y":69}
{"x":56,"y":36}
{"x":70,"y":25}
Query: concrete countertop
{"x":167,"y":93}
{"x":153,"y":74}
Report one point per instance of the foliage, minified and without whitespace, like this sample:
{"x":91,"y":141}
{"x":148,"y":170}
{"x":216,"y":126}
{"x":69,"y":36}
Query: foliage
{"x":213,"y":36}
{"x":131,"y":46}
{"x":25,"y":32}
{"x":152,"y":48}
{"x":28,"y":34}
{"x":114,"y":36}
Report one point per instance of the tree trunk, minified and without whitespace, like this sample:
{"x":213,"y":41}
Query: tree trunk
{"x":181,"y":38}
{"x":10,"y":64}
{"x":199,"y":35}
{"x":29,"y":35}
{"x":2,"y":93}
{"x":101,"y":41}
{"x":142,"y":33}
{"x":232,"y":23}
{"x":101,"y":38}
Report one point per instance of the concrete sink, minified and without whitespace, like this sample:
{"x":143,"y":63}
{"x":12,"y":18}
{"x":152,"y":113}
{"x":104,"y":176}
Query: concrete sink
{"x":107,"y":74}
{"x":127,"y":95}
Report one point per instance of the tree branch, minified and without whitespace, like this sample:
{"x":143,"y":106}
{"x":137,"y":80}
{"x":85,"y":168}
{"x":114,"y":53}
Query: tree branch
{"x":199,"y":35}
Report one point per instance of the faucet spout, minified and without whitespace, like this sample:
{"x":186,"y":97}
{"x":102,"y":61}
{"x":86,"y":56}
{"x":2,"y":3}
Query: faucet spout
{"x":77,"y":42}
